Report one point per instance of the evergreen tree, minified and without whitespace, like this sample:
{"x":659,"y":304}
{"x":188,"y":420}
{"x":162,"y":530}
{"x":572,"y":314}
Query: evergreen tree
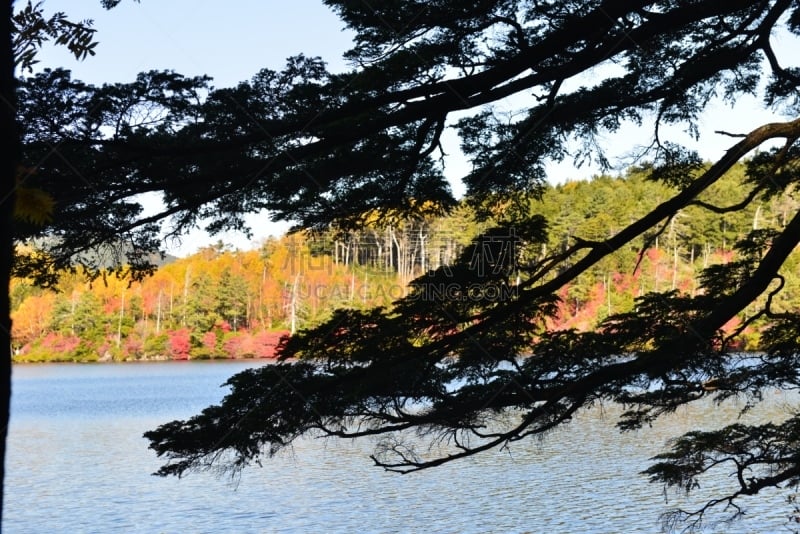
{"x":467,"y":358}
{"x":232,"y":294}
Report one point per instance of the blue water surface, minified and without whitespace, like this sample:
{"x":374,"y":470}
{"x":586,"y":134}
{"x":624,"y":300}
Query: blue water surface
{"x":77,"y":463}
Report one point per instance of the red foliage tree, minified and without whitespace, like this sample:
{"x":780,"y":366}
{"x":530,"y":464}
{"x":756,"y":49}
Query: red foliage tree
{"x":265,"y":343}
{"x":179,"y":344}
{"x":239,"y":345}
{"x":60,"y":344}
{"x":210,"y":343}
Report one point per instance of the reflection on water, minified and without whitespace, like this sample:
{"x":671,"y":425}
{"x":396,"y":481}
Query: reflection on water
{"x":77,"y":463}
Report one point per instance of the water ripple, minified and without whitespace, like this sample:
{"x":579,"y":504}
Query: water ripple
{"x":77,"y":463}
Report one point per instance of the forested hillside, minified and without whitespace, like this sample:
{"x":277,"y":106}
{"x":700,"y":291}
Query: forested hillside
{"x":220,"y":303}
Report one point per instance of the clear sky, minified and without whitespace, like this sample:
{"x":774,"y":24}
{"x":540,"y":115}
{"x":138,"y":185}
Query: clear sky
{"x":231,"y":41}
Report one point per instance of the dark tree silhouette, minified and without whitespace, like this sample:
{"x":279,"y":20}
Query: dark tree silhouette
{"x":466,"y":362}
{"x":22,"y":33}
{"x":10,"y":144}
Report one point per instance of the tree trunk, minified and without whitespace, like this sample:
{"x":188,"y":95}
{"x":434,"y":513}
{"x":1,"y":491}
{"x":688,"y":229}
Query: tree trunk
{"x":10,"y":144}
{"x":422,"y":249}
{"x":755,"y":217}
{"x":121,"y":317}
{"x":675,"y":267}
{"x":158,"y":312}
{"x":293,"y":305}
{"x":186,"y":280}
{"x":389,"y":253}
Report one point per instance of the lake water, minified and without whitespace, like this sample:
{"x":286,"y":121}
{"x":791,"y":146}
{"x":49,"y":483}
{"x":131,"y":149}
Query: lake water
{"x":77,"y":463}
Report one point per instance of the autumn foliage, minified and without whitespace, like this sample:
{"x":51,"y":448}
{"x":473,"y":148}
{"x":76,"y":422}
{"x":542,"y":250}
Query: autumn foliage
{"x":217,"y":303}
{"x":220,"y":303}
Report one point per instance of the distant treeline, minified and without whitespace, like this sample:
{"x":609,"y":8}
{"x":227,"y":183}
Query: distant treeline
{"x":220,"y":303}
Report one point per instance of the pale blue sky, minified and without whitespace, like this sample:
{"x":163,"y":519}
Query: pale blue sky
{"x":231,"y":41}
